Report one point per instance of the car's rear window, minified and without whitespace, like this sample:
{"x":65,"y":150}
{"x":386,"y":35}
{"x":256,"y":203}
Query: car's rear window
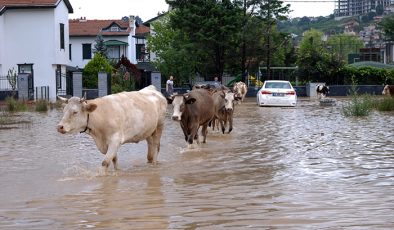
{"x":277,"y":85}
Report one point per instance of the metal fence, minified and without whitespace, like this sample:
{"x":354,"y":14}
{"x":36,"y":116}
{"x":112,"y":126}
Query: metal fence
{"x":41,"y":93}
{"x":5,"y":84}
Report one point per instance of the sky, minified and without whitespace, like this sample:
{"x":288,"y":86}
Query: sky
{"x":148,"y":9}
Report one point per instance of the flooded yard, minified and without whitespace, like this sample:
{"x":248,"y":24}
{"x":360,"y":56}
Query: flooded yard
{"x":307,"y":167}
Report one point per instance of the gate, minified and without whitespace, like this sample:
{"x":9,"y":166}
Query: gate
{"x":64,"y":84}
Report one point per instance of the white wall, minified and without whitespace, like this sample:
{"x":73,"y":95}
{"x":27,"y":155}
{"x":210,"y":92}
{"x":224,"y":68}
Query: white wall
{"x":32,"y":36}
{"x":1,"y":45}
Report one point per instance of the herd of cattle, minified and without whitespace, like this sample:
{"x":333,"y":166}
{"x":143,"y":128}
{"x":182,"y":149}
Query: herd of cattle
{"x":131,"y":117}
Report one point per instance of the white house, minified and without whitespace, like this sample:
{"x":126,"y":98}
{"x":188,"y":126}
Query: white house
{"x":117,"y":36}
{"x":34,"y":38}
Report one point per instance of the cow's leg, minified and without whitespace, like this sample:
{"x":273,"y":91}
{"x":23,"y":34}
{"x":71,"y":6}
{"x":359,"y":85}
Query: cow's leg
{"x":154,"y":144}
{"x":230,"y":121}
{"x":110,"y":156}
{"x":223,"y":125}
{"x":115,"y":162}
{"x":204,"y":132}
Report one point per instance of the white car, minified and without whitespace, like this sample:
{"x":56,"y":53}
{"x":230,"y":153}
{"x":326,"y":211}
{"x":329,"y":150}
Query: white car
{"x":277,"y":93}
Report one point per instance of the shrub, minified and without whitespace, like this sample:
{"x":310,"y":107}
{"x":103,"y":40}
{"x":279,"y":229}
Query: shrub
{"x":359,"y":105}
{"x":14,"y":105}
{"x":386,"y":104}
{"x":41,"y":106}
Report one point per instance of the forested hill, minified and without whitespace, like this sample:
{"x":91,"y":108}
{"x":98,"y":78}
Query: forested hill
{"x":325,"y":24}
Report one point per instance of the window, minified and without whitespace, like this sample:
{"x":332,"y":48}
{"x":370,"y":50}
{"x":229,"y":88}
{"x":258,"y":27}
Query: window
{"x":86,"y":51}
{"x":61,"y":36}
{"x":113,"y":52}
{"x":69,"y":51}
{"x":114,"y":28}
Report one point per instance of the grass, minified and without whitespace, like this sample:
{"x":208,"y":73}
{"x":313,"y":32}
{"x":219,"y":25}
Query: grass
{"x":386,"y":104}
{"x":359,"y":106}
{"x":13,"y":105}
{"x":41,"y":106}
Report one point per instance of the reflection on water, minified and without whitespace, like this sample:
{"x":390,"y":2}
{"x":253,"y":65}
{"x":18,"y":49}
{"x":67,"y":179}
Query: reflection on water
{"x":307,"y":167}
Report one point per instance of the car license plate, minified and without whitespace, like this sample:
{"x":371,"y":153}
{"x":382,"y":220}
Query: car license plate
{"x":278,"y":94}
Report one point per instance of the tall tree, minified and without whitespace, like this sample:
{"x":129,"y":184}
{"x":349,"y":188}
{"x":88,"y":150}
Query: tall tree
{"x":388,"y":27}
{"x":313,"y":57}
{"x":212,"y":27}
{"x":99,"y":46}
{"x":270,"y":11}
{"x":173,"y":50}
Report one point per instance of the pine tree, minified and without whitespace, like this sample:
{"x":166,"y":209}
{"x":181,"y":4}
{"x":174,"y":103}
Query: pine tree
{"x":100,"y":47}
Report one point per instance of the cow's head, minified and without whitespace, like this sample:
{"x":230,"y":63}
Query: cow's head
{"x":75,"y":115}
{"x":180,"y":102}
{"x":229,"y":99}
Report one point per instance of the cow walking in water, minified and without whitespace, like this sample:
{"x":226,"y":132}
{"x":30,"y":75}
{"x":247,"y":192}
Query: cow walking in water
{"x":113,"y":120}
{"x":192,"y":110}
{"x":240,"y":89}
{"x":322,"y":91}
{"x":224,"y":109}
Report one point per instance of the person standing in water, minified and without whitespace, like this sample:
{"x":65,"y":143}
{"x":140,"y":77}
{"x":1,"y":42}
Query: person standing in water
{"x":170,"y":86}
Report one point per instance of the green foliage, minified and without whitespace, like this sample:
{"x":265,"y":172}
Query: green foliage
{"x":342,"y":45}
{"x":13,"y":105}
{"x":41,"y":106}
{"x":314,"y":61}
{"x":386,"y":104}
{"x":366,"y":75}
{"x":90,"y":73}
{"x":358,"y":106}
{"x":387,"y":25}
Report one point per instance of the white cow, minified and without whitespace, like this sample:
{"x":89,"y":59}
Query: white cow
{"x":113,"y":120}
{"x":240,"y":89}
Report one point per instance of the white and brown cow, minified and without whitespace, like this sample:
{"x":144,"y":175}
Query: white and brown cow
{"x":113,"y":120}
{"x":388,"y":90}
{"x":240,"y":89}
{"x":224,"y":109}
{"x":192,"y":110}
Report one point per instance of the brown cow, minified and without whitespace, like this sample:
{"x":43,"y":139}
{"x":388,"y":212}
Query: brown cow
{"x":388,"y":90}
{"x":224,"y":109}
{"x":240,"y":89}
{"x":113,"y":120}
{"x":193,"y":109}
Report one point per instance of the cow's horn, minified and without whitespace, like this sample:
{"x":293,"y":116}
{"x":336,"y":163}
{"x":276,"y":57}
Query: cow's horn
{"x":84,"y":97}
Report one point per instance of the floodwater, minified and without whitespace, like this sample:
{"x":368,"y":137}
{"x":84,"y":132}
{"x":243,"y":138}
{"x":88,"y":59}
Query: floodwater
{"x":307,"y":167}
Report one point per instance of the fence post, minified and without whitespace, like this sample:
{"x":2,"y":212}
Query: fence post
{"x":23,"y":86}
{"x":156,"y":79}
{"x":77,"y":84}
{"x":102,"y":84}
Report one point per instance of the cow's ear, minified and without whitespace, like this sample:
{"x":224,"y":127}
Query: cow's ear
{"x":63,"y":99}
{"x":170,"y":99}
{"x":90,"y":107}
{"x":190,"y":101}
{"x":223,"y":95}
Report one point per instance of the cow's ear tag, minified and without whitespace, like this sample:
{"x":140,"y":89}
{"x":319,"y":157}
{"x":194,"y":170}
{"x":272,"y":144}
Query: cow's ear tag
{"x":90,"y":107}
{"x":190,"y":101}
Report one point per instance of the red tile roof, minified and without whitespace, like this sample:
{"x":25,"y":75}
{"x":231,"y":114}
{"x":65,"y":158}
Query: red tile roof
{"x":83,"y":27}
{"x":142,"y":29}
{"x":29,"y":4}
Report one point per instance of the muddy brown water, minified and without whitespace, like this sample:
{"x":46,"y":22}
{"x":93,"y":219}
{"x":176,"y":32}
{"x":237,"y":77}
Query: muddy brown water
{"x":307,"y":167}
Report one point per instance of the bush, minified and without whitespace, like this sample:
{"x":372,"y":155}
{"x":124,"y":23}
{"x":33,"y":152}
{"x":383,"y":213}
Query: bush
{"x":41,"y":106}
{"x":386,"y":104}
{"x":14,"y":105}
{"x":358,"y":106}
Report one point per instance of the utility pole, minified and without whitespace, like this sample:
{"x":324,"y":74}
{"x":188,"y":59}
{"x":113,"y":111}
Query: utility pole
{"x":243,"y":58}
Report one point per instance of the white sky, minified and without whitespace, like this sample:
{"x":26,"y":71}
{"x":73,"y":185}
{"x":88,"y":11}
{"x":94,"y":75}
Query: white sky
{"x":147,"y":9}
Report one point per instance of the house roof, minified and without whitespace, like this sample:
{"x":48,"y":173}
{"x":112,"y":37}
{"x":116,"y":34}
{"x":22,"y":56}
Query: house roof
{"x":83,"y":27}
{"x":32,"y":4}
